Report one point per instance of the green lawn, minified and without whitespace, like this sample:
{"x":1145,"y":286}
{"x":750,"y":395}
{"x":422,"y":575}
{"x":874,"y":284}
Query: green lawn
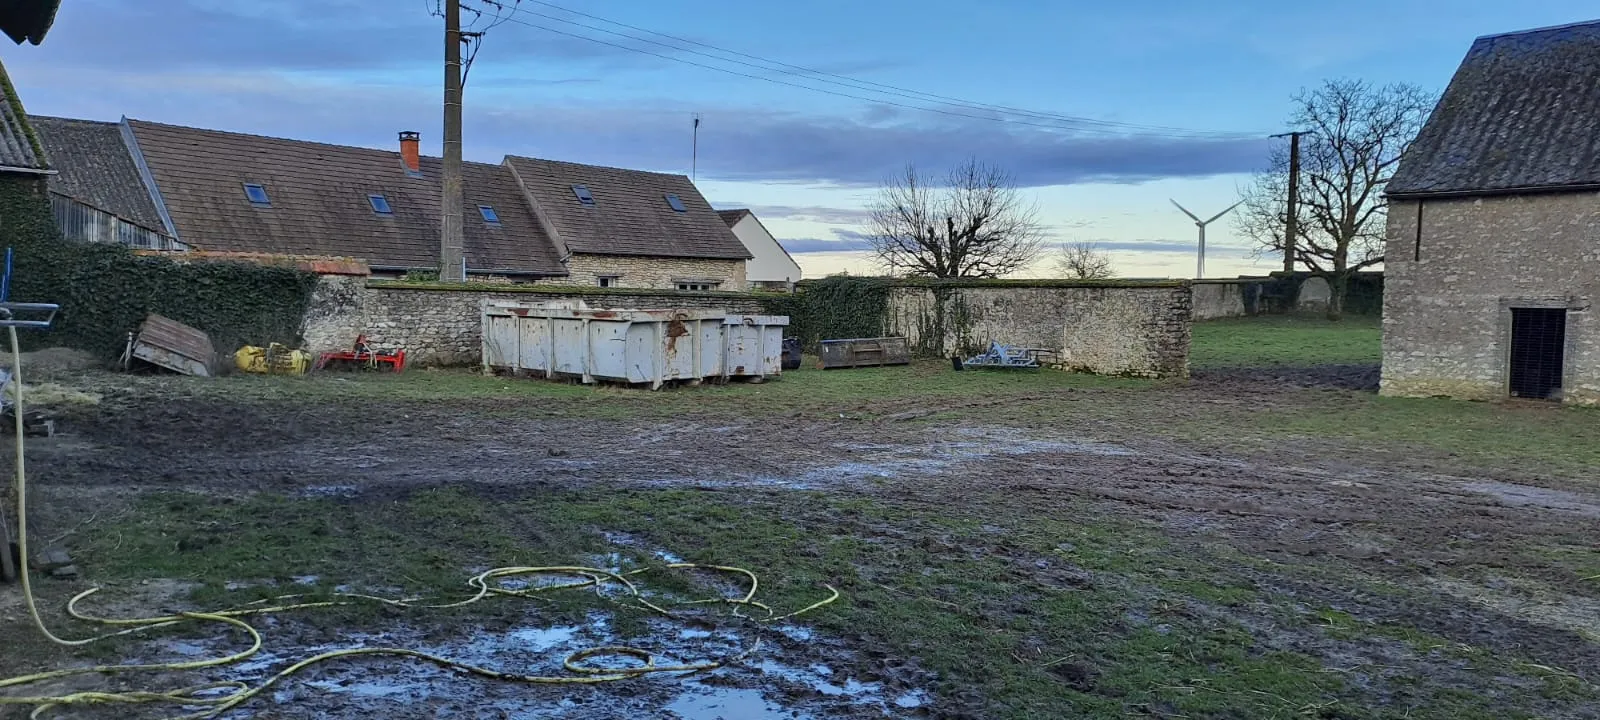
{"x":1285,"y":340}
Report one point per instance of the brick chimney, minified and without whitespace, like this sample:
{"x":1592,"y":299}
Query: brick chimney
{"x":411,"y":151}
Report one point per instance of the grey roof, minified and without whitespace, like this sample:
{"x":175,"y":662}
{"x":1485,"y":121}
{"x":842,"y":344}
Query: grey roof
{"x":732,"y":217}
{"x":319,"y":201}
{"x":95,"y":167}
{"x":1521,"y":114}
{"x":630,"y":215}
{"x":19,"y":148}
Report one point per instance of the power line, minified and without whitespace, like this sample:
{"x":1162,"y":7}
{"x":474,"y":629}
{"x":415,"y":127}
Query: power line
{"x":869,"y":85}
{"x":1071,"y":122}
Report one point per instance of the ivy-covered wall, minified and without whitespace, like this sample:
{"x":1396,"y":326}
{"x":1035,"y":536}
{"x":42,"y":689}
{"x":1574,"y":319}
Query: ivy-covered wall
{"x":833,"y":308}
{"x":105,"y":291}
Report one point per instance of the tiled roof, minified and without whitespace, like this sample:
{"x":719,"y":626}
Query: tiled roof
{"x":732,"y":217}
{"x":1522,"y":113}
{"x":19,"y":149}
{"x":94,"y":167}
{"x":630,"y":214}
{"x":319,"y":202}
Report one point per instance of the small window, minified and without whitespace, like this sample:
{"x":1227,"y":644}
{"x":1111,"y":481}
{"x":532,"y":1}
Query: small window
{"x":606,"y":281}
{"x":489,"y":215}
{"x":697,"y":286}
{"x":257,"y":195}
{"x":676,"y":204}
{"x":584,"y":196}
{"x":380,"y":204}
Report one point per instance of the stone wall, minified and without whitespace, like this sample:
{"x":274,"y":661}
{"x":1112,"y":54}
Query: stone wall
{"x":655,"y":273}
{"x":1137,"y":329}
{"x":442,"y":324}
{"x":1456,"y":267}
{"x":1217,"y":299}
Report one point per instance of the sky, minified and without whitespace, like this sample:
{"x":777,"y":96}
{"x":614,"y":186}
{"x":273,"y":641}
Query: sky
{"x":1112,"y":109}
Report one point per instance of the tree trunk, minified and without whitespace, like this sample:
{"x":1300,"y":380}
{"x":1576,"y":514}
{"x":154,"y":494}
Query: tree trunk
{"x":1338,"y":284}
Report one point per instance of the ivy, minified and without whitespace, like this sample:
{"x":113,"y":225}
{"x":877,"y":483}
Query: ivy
{"x":833,"y":308}
{"x":106,"y":291}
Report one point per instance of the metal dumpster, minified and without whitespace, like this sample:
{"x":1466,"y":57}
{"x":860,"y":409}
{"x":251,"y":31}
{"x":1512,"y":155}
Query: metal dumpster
{"x":753,"y":345}
{"x":865,"y":352}
{"x":625,"y":346}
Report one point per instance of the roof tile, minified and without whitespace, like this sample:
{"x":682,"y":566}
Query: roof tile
{"x":1522,"y":113}
{"x":319,"y":202}
{"x":94,"y":167}
{"x":630,"y":215}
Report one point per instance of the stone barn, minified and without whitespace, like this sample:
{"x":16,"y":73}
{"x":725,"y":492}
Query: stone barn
{"x":1493,"y":257}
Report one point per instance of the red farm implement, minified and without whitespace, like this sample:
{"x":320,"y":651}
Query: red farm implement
{"x":362,"y":356}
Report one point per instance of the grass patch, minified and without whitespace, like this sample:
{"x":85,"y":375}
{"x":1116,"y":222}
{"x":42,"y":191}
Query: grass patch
{"x":1286,"y":340}
{"x":865,"y":390}
{"x":1037,"y":616}
{"x":1556,"y":437}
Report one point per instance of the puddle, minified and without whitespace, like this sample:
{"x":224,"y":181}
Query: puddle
{"x":765,"y":686}
{"x":727,"y":704}
{"x":872,"y":462}
{"x":1528,"y":496}
{"x":911,"y":700}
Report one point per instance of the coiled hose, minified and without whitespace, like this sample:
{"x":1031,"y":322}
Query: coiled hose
{"x":587,"y":666}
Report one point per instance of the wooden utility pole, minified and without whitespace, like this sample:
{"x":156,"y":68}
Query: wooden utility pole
{"x":1291,"y":219}
{"x":451,"y":225}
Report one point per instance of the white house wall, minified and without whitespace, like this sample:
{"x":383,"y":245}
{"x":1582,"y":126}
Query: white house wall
{"x":771,"y":263}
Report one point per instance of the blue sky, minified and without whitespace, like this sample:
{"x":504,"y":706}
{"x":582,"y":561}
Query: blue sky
{"x":358,"y":71}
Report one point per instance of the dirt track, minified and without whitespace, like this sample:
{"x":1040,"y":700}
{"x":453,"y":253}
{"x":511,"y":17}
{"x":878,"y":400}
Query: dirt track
{"x":1456,"y":537}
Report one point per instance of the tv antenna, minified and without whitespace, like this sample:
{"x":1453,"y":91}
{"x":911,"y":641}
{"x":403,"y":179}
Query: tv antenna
{"x":694,"y":156}
{"x":1200,"y":261}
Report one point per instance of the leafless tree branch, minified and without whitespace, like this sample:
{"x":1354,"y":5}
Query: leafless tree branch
{"x":975,"y":223}
{"x":1084,"y":261}
{"x":1359,"y":132}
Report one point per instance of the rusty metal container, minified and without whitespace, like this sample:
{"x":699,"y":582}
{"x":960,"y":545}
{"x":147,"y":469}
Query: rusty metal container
{"x":625,"y":346}
{"x":753,"y":345}
{"x":865,"y":352}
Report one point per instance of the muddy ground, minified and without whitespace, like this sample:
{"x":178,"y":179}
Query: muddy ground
{"x":1422,"y":540}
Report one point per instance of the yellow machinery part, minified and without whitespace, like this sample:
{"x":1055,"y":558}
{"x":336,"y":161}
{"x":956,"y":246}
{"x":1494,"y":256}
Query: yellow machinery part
{"x":275,"y":359}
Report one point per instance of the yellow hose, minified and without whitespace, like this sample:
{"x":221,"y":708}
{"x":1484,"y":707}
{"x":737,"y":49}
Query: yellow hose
{"x":585,"y":666}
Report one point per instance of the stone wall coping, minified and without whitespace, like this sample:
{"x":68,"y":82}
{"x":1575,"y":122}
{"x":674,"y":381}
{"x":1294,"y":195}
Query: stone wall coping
{"x":562,"y":290}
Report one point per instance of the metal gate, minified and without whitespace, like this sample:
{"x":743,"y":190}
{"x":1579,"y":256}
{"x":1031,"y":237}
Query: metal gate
{"x":1538,"y":348}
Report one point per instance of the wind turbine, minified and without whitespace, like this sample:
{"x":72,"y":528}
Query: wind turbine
{"x":1200,"y":262}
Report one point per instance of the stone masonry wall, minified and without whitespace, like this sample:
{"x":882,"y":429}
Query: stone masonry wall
{"x":657,"y":273}
{"x":443,"y":325}
{"x":1450,"y":289}
{"x":1113,"y":329}
{"x":1215,"y":299}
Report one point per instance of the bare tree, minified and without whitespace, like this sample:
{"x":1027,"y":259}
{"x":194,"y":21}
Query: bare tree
{"x":1084,"y":261}
{"x":1358,"y":133}
{"x":973,"y":224}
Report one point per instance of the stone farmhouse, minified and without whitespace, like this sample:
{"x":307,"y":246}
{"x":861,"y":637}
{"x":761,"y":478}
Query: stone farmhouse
{"x":168,"y":187}
{"x":1493,"y":256}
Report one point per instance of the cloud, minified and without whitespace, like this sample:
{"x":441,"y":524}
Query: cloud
{"x":844,"y":241}
{"x":1160,"y":246}
{"x":338,"y":71}
{"x":811,"y":213}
